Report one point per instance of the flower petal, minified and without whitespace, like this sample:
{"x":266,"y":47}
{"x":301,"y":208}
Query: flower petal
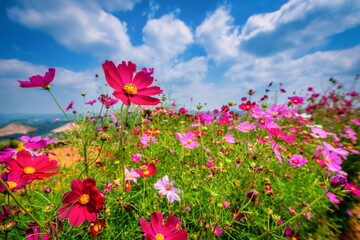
{"x":156,"y":222}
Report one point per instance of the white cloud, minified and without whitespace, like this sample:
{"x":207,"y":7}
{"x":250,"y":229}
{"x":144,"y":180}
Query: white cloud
{"x":219,"y":36}
{"x":116,"y":5}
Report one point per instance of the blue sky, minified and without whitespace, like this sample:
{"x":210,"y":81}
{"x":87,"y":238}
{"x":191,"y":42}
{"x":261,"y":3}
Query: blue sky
{"x":213,"y":51}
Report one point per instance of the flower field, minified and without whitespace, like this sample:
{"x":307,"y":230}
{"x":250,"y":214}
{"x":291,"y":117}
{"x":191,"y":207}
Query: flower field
{"x":145,"y":168}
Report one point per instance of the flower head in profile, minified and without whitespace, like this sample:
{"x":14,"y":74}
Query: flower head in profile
{"x":166,"y":188}
{"x":70,"y":106}
{"x":37,"y":168}
{"x":159,"y":232}
{"x":129,"y":88}
{"x":91,"y":102}
{"x":39,"y":81}
{"x":82,"y":202}
{"x":107,"y":101}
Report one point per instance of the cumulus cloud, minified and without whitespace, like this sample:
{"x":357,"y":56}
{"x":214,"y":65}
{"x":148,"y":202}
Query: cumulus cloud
{"x":219,"y":36}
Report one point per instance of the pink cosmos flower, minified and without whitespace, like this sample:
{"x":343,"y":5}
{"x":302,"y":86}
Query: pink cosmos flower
{"x":216,"y":230}
{"x":226,"y":204}
{"x":91,"y":102}
{"x":14,"y":181}
{"x":136,"y":157}
{"x":188,"y":140}
{"x":38,"y":168}
{"x":332,"y":161}
{"x":295,"y":100}
{"x":339,"y":151}
{"x":165,"y":187}
{"x":39,"y":81}
{"x":229,"y":138}
{"x":332,"y":198}
{"x":157,"y":231}
{"x":107,"y":101}
{"x":131,"y":175}
{"x":318,"y":132}
{"x":256,"y":111}
{"x":319,"y":149}
{"x":276,"y":151}
{"x":82,"y":202}
{"x":71,"y":104}
{"x":356,"y":121}
{"x":246,"y":127}
{"x":129,"y":88}
{"x":146,"y":139}
{"x":353,"y":188}
{"x":297,"y":160}
{"x":28,"y":144}
{"x":33,"y":231}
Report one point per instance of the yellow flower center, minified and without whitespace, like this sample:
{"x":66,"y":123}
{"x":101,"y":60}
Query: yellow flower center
{"x":29,"y":170}
{"x":295,"y":101}
{"x":20,"y":147}
{"x":84,"y":199}
{"x":97,"y":228}
{"x":168,"y":187}
{"x":130,"y":89}
{"x":12,"y":185}
{"x":253,"y":111}
{"x":131,"y":176}
{"x":189,"y":141}
{"x":146,"y":172}
{"x":296,"y":161}
{"x":352,"y":188}
{"x":328,"y":160}
{"x":159,"y":236}
{"x":246,"y":128}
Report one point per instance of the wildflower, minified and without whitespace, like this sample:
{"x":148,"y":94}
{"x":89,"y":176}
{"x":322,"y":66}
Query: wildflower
{"x":332,"y":160}
{"x":183,"y":111}
{"x":70,"y":106}
{"x":332,"y":198}
{"x":14,"y":181}
{"x":128,"y":185}
{"x":159,"y":232}
{"x":39,"y":81}
{"x":297,"y":160}
{"x":216,"y":230}
{"x":136,"y":157}
{"x":337,"y":181}
{"x":33,"y":230}
{"x":291,"y":234}
{"x":91,"y":102}
{"x":131,"y":175}
{"x":165,"y":187}
{"x":292,"y":211}
{"x":96,"y":227}
{"x":81,"y":202}
{"x":226,"y":204}
{"x":353,"y":188}
{"x":247,"y":106}
{"x":146,"y":170}
{"x":229,"y":138}
{"x":28,"y":144}
{"x":129,"y":88}
{"x":246,"y":127}
{"x":108,"y":186}
{"x":47,"y":190}
{"x":188,"y":140}
{"x":107,"y":101}
{"x":37,"y":168}
{"x":146,"y":139}
{"x":252,"y":195}
{"x":295,"y":100}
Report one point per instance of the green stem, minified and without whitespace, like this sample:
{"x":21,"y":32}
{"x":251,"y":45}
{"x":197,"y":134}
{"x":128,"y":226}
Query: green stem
{"x":121,"y":147}
{"x":26,"y":211}
{"x":293,"y":218}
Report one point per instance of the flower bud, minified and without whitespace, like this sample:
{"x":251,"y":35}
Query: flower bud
{"x":47,"y":190}
{"x":83,"y":94}
{"x":337,"y":181}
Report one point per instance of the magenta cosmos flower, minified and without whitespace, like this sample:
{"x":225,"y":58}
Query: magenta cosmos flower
{"x":246,"y":127}
{"x":166,"y":188}
{"x":107,"y":101}
{"x":332,"y":160}
{"x":82,"y":202}
{"x":188,"y":140}
{"x":129,"y":88}
{"x":295,"y":100}
{"x":39,"y":81}
{"x":14,"y":181}
{"x":38,"y":167}
{"x":159,"y":232}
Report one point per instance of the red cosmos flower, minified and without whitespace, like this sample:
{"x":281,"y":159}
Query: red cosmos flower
{"x":128,"y":185}
{"x":37,"y":168}
{"x":129,"y":88}
{"x":146,"y":170}
{"x":247,"y":106}
{"x":39,"y":81}
{"x":96,"y":227}
{"x":81,"y":202}
{"x":158,"y":232}
{"x":14,"y":180}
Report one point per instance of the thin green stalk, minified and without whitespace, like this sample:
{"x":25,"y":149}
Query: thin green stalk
{"x":293,"y":218}
{"x":121,"y":147}
{"x":26,"y":211}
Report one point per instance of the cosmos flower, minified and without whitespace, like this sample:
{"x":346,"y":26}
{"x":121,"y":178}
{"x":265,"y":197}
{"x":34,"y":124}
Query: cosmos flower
{"x":82,"y":202}
{"x":146,"y":170}
{"x":229,"y":138}
{"x":70,"y":106}
{"x":129,"y":88}
{"x":96,"y":227}
{"x":188,"y":140}
{"x":14,"y":180}
{"x":246,"y":127}
{"x":297,"y":160}
{"x":136,"y":157}
{"x":332,"y":160}
{"x":159,"y":232}
{"x":295,"y":100}
{"x":131,"y":175}
{"x":38,"y":168}
{"x":166,"y":188}
{"x":332,"y":198}
{"x":226,"y":204}
{"x":39,"y":81}
{"x":33,"y":231}
{"x":353,"y":188}
{"x":107,"y":101}
{"x":91,"y":102}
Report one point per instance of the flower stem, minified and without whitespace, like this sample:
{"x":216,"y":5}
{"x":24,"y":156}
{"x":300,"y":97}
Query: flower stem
{"x":292,"y":219}
{"x":121,"y":147}
{"x":25,"y":210}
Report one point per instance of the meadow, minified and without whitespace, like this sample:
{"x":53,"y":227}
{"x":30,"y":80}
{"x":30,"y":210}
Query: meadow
{"x":147,"y":168}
